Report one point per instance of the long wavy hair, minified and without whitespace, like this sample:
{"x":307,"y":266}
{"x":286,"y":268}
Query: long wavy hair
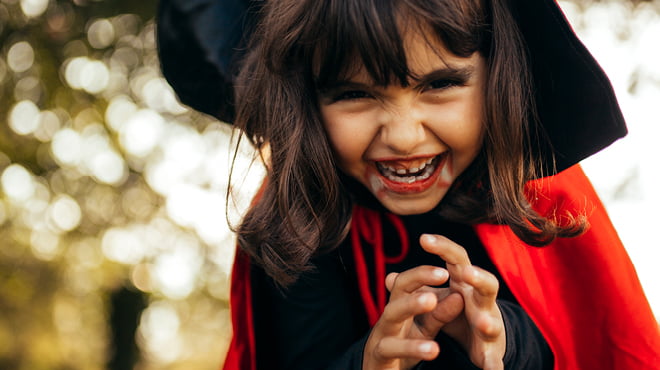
{"x":301,"y":46}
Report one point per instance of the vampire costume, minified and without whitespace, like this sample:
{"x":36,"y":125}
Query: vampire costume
{"x":577,"y":300}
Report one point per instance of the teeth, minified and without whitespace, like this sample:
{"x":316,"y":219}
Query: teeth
{"x":406,"y":175}
{"x":403,"y":171}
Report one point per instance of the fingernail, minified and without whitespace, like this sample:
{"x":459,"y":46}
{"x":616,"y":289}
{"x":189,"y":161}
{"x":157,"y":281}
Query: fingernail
{"x":424,"y":298}
{"x":425,"y":347}
{"x":439,"y":273}
{"x":430,"y":238}
{"x":476,"y":275}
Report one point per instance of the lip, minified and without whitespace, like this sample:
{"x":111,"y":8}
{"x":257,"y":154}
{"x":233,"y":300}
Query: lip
{"x":418,"y":186}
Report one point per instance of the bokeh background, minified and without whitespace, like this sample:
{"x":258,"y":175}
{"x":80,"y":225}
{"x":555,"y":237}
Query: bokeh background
{"x":115,"y":248}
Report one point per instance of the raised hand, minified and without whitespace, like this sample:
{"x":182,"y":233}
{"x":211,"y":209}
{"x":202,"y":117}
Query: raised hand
{"x":480,"y":329}
{"x":404,"y":335}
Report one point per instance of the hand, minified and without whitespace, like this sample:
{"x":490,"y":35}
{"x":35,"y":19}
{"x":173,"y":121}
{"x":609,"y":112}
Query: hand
{"x":404,"y":335}
{"x":480,"y":329}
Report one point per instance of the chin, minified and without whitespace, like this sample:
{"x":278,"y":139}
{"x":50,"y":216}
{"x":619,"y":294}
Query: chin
{"x":410,"y":207}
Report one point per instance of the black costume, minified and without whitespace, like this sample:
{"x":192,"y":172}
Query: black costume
{"x":323,"y":310}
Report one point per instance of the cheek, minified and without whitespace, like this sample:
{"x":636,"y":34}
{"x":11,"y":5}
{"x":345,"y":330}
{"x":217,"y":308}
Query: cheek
{"x":467,"y":131}
{"x":345,"y":149}
{"x":349,"y":136}
{"x":463,"y":136}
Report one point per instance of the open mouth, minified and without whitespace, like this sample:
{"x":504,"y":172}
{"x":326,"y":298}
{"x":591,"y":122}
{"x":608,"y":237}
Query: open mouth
{"x":421,"y":172}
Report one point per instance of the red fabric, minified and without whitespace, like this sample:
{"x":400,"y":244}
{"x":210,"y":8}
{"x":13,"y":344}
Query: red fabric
{"x":367,"y":226}
{"x":241,"y":354}
{"x":558,"y":285}
{"x":583,"y":293}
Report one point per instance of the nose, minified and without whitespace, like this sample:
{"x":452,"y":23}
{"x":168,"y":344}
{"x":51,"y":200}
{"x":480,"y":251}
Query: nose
{"x":403,"y":130}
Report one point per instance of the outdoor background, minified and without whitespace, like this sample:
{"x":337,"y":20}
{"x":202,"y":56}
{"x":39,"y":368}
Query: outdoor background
{"x":114,"y":246}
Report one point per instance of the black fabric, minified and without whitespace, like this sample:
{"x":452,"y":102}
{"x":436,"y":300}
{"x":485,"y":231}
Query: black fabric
{"x":199,"y":44}
{"x":576,"y":104}
{"x":320,"y":322}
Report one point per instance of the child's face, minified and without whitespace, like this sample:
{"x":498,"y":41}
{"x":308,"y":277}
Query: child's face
{"x":408,"y":145}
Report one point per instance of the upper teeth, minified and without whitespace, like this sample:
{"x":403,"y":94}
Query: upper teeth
{"x":408,"y":171}
{"x":408,"y":175}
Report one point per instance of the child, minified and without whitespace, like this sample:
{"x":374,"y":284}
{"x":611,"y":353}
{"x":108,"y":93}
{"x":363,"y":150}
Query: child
{"x":423,"y":207}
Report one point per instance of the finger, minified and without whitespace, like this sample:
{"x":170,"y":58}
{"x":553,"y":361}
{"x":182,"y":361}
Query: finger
{"x":390,"y":348}
{"x":488,"y":324}
{"x":390,"y":279}
{"x":492,"y":361}
{"x":398,"y":311}
{"x":447,"y":310}
{"x":481,"y":308}
{"x":411,"y":280}
{"x":449,"y":251}
{"x":485,"y":285}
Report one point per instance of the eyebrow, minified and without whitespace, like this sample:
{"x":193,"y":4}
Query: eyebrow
{"x":462,"y":74}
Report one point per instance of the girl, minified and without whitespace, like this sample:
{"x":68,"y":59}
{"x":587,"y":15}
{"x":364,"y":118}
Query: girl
{"x":423,"y":207}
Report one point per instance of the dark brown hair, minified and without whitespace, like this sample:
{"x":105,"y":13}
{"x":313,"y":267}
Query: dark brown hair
{"x":302,"y":46}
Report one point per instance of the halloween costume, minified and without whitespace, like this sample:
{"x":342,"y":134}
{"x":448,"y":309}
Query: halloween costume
{"x":582,"y":293}
{"x":323,"y":320}
{"x":591,"y":317}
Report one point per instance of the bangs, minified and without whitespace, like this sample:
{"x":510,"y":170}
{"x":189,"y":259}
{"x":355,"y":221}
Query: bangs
{"x":368,"y":34}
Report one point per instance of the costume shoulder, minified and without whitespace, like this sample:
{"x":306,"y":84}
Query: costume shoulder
{"x":583,"y":292}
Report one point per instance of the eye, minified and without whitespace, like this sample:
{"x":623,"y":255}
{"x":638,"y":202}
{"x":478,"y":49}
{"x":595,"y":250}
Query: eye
{"x":351,"y":95}
{"x":444,"y":84}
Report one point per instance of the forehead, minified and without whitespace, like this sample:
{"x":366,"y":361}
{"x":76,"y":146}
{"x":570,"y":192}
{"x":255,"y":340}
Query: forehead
{"x":424,"y":53}
{"x":393,"y":49}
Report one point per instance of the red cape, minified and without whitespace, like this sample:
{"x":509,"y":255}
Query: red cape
{"x":583,"y":293}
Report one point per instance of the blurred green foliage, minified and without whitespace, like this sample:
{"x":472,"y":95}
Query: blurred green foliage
{"x":71,"y":188}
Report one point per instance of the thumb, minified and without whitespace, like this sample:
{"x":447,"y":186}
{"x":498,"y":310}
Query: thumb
{"x":449,"y":307}
{"x":390,"y":279}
